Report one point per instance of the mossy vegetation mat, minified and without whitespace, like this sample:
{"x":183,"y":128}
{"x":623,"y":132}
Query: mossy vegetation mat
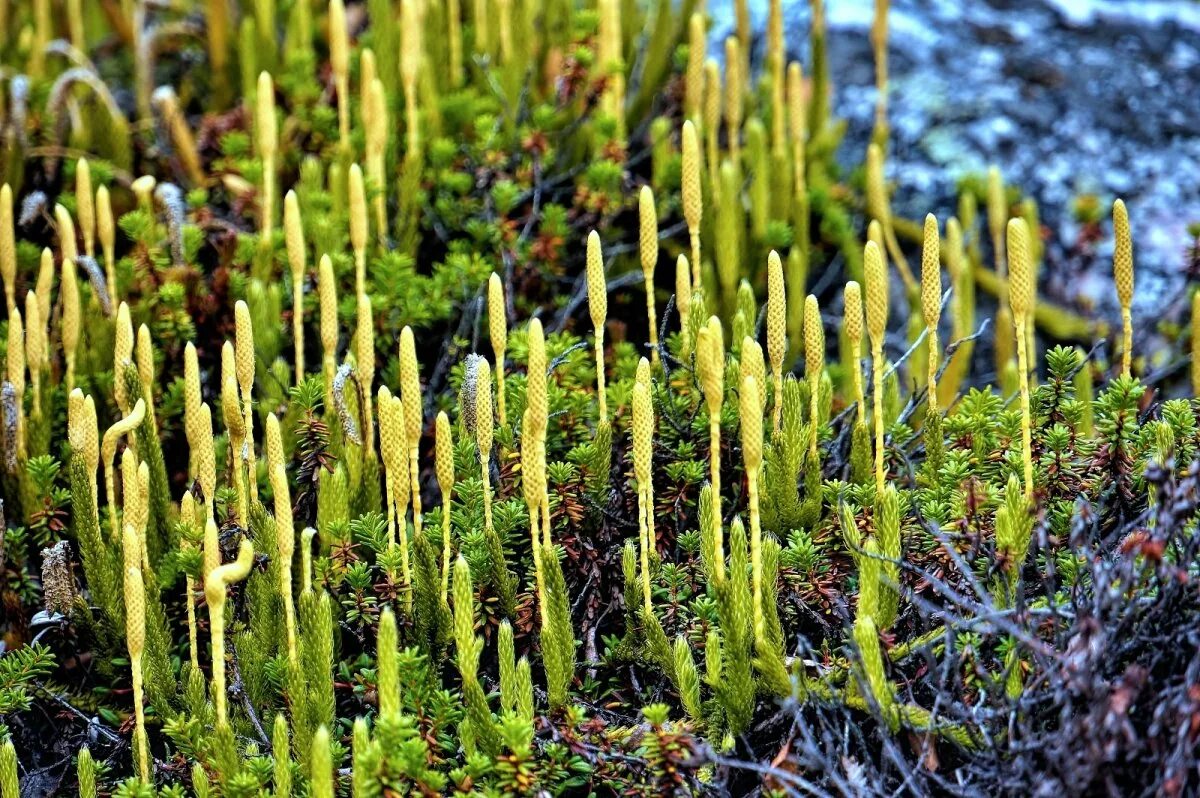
{"x":499,"y":397}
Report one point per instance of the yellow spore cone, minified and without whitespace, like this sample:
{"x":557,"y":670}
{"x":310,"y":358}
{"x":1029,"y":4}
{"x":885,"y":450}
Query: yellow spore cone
{"x":1123,"y":277}
{"x":648,"y":253}
{"x":498,"y":332}
{"x":931,"y":298}
{"x":1021,"y":290}
{"x":693,"y":200}
{"x":598,"y":305}
{"x":875,"y":274}
{"x":776,"y":330}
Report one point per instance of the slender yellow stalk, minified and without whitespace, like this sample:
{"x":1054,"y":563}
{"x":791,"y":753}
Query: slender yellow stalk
{"x":272,"y":445}
{"x":683,"y":301}
{"x":997,"y":215}
{"x":216,"y":586}
{"x":286,"y":538}
{"x":414,"y":417}
{"x":358,"y":228}
{"x":108,"y":450}
{"x":643,"y":436}
{"x":394,"y":453}
{"x":235,"y":425}
{"x":880,"y":208}
{"x":182,"y":139}
{"x":8,"y":248}
{"x":188,"y":516}
{"x":814,"y":366}
{"x":694,"y":74}
{"x":752,"y":452}
{"x":400,"y":491}
{"x":339,"y":62}
{"x":1020,"y":298}
{"x":598,"y":305}
{"x":797,"y":122}
{"x":410,"y":65}
{"x":444,"y":457}
{"x":85,"y":439}
{"x":648,"y":251}
{"x":45,"y":275}
{"x":710,"y":359}
{"x":306,"y":570}
{"x":191,"y":402}
{"x":734,"y":87}
{"x":15,"y":367}
{"x":85,"y":206}
{"x":107,"y":232}
{"x":70,"y":320}
{"x":1123,"y":277}
{"x":206,"y":457}
{"x":1196,"y":344}
{"x":293,"y":229}
{"x":454,"y":35}
{"x":35,"y":350}
{"x":364,"y":341}
{"x":931,"y":300}
{"x":135,"y":642}
{"x":712,"y":124}
{"x":244,"y":359}
{"x":879,"y":43}
{"x":145,"y":367}
{"x":538,"y":402}
{"x":877,"y":313}
{"x":367,"y":72}
{"x":853,"y":324}
{"x":693,"y":200}
{"x":498,"y":331}
{"x":327,"y":292}
{"x":377,"y":154}
{"x":267,"y":138}
{"x":483,"y":435}
{"x":122,"y":356}
{"x":776,"y":330}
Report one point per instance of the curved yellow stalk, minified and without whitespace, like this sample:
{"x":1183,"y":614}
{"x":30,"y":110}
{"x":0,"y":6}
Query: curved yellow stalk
{"x":216,"y":586}
{"x":293,"y":230}
{"x":108,"y":450}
